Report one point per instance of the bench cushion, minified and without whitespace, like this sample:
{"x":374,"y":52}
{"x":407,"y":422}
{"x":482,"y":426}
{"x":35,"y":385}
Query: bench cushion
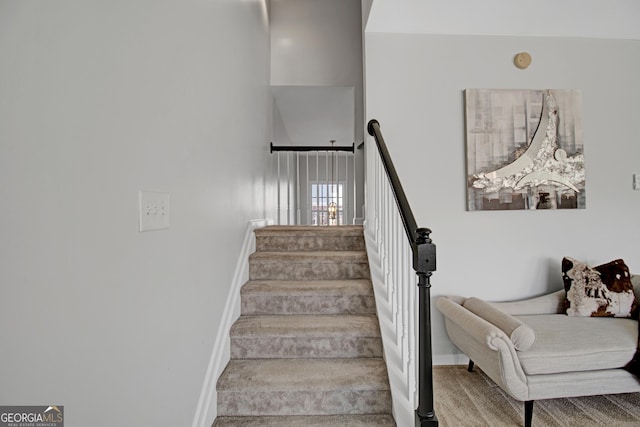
{"x":568,"y":344}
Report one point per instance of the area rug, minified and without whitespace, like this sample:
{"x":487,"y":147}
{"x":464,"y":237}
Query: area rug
{"x":464,"y":398}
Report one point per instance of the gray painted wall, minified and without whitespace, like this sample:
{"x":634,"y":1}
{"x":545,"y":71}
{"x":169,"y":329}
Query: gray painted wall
{"x":415,"y":87}
{"x":98,"y":100}
{"x":318,"y":44}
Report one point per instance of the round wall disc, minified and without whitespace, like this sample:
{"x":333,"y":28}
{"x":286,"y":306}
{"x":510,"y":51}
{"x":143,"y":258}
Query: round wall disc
{"x":522,"y":60}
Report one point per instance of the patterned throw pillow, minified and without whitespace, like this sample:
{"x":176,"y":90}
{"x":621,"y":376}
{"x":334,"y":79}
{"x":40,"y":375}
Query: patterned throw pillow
{"x":605,"y":290}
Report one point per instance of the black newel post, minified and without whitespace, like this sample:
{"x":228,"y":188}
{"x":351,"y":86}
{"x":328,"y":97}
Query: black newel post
{"x":424,"y":263}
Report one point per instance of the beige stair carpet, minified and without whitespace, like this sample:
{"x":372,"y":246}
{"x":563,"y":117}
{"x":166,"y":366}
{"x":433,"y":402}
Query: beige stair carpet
{"x":306,"y":350}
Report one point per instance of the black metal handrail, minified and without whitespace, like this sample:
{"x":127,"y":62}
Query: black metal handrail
{"x":424,"y":264}
{"x":349,"y":148}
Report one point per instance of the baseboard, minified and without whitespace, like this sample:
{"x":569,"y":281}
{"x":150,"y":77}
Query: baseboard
{"x":206,"y":411}
{"x":450,"y":359}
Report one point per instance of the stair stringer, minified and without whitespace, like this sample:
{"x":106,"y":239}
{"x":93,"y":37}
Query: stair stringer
{"x":207,"y":410}
{"x":399,"y":353}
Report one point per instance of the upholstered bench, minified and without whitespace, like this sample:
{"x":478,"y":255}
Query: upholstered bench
{"x":533,"y":350}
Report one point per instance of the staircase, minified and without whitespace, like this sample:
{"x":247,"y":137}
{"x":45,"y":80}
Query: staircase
{"x":306,"y":350}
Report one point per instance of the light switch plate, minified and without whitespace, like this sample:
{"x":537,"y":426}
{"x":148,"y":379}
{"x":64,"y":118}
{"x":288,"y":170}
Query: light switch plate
{"x":636,"y":181}
{"x":153,"y":210}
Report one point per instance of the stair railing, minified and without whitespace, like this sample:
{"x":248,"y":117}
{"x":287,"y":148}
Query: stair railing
{"x":310,"y":177}
{"x":413,"y":373}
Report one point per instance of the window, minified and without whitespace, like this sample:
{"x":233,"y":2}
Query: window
{"x":321,"y":196}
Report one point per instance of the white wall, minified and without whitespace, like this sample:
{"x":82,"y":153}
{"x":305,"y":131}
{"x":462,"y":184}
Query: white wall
{"x":319,"y":43}
{"x":98,"y":100}
{"x":366,"y":8}
{"x":313,"y":115}
{"x":415,"y":89}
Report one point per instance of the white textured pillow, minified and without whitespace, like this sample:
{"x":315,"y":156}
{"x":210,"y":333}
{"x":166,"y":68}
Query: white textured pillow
{"x":521,"y":335}
{"x":605,"y":290}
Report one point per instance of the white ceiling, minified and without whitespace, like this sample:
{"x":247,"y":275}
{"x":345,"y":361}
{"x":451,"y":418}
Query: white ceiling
{"x":611,"y":19}
{"x":302,"y":114}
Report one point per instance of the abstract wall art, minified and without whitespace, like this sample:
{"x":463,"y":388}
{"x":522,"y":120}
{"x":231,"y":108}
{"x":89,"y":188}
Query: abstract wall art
{"x":524,"y":149}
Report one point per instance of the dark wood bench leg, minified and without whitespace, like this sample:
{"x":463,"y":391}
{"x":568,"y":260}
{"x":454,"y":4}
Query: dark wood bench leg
{"x":528,"y":413}
{"x":528,"y":405}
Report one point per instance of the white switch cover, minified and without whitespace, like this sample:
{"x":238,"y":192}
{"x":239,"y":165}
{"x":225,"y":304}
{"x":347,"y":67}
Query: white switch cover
{"x":636,"y":181}
{"x":153,"y":210}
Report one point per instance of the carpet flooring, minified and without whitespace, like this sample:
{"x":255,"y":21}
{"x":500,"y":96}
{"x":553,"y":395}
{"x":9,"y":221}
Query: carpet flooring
{"x":472,"y":399}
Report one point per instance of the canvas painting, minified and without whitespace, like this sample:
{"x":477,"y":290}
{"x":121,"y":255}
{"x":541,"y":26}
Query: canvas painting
{"x":524,"y":149}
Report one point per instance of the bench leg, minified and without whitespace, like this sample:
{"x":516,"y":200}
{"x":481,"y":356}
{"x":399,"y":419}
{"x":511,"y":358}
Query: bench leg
{"x":470,"y":367}
{"x":528,"y":413}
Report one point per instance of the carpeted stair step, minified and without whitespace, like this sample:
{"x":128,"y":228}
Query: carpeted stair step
{"x":306,"y":350}
{"x":305,"y":336}
{"x":369,"y":420}
{"x":320,"y":265}
{"x":309,"y":238}
{"x":250,"y":387}
{"x":307,"y":297}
